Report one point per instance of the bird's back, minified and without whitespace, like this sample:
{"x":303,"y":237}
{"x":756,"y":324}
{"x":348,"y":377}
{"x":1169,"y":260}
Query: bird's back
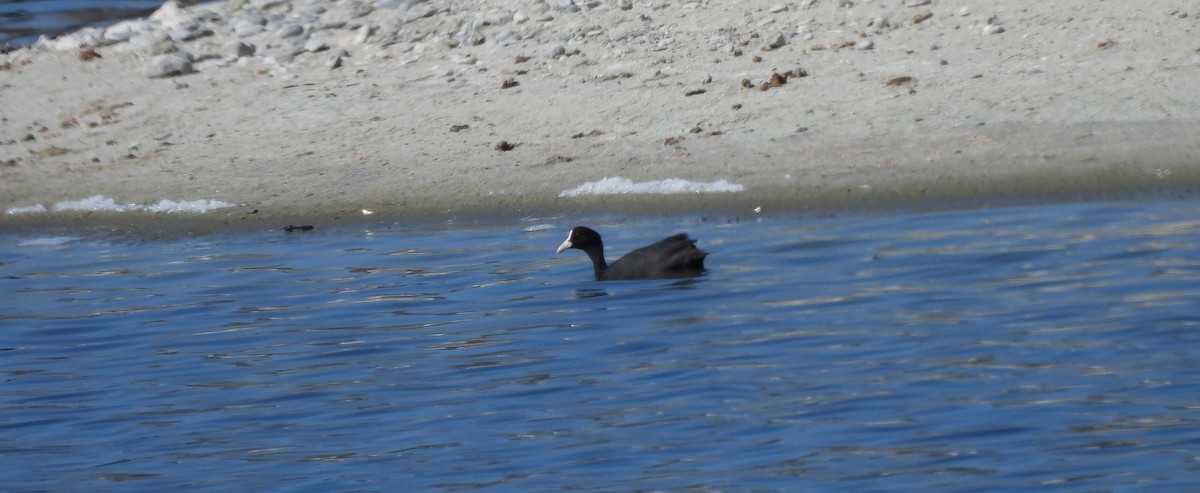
{"x":672,"y":257}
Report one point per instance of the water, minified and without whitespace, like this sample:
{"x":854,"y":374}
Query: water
{"x":1054,"y":347}
{"x":22,"y":21}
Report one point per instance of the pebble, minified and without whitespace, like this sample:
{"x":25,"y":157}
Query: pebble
{"x":83,"y":38}
{"x":916,"y":3}
{"x":331,"y":25}
{"x":361,"y":35}
{"x":993,"y":29}
{"x":244,"y":30}
{"x":290,"y":30}
{"x":474,"y":38}
{"x":171,"y":16}
{"x":779,"y":41}
{"x":567,"y":6}
{"x":124,"y":30}
{"x":337,"y":60}
{"x":777,"y":8}
{"x":188,"y":34}
{"x":313,"y":46}
{"x":504,"y":37}
{"x":243,"y":49}
{"x":170,"y":65}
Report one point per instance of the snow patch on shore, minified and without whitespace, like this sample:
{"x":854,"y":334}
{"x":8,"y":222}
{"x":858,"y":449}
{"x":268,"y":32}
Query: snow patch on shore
{"x":615,"y":185}
{"x":100,"y":203}
{"x":26,"y":209}
{"x":196,"y":206}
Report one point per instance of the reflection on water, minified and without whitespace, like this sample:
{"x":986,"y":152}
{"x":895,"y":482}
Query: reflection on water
{"x":1045,"y":347}
{"x":598,"y":289}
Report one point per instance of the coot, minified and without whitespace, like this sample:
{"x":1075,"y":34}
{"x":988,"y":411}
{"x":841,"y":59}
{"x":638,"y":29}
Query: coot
{"x":673,"y":257}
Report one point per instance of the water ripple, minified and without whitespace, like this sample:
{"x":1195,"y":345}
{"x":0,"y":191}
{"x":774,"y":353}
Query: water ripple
{"x":1028,"y":347}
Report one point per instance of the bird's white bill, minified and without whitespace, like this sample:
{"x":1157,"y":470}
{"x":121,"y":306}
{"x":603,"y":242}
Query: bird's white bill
{"x":565,"y":245}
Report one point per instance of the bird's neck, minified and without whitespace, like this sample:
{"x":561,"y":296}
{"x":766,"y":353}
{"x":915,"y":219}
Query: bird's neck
{"x":599,"y":265}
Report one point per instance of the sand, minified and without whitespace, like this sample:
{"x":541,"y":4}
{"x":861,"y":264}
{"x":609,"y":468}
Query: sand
{"x":883,"y":104}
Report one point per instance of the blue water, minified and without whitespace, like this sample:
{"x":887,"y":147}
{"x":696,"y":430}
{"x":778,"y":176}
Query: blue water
{"x":22,"y":21}
{"x":1052,"y":347}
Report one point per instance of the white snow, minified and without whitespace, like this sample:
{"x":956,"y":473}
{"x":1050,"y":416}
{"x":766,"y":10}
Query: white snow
{"x":25,"y":209}
{"x":615,"y":185}
{"x":197,"y":206}
{"x":100,"y":203}
{"x":93,"y":203}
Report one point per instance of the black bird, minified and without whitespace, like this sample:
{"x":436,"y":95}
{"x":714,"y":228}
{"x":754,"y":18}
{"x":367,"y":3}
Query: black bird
{"x":673,"y":257}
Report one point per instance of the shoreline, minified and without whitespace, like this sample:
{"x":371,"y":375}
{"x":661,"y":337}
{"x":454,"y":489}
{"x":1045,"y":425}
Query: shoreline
{"x":1085,"y":174}
{"x":1123,"y":182}
{"x":890,"y":110}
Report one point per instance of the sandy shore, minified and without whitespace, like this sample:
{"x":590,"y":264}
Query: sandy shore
{"x":292,"y":110}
